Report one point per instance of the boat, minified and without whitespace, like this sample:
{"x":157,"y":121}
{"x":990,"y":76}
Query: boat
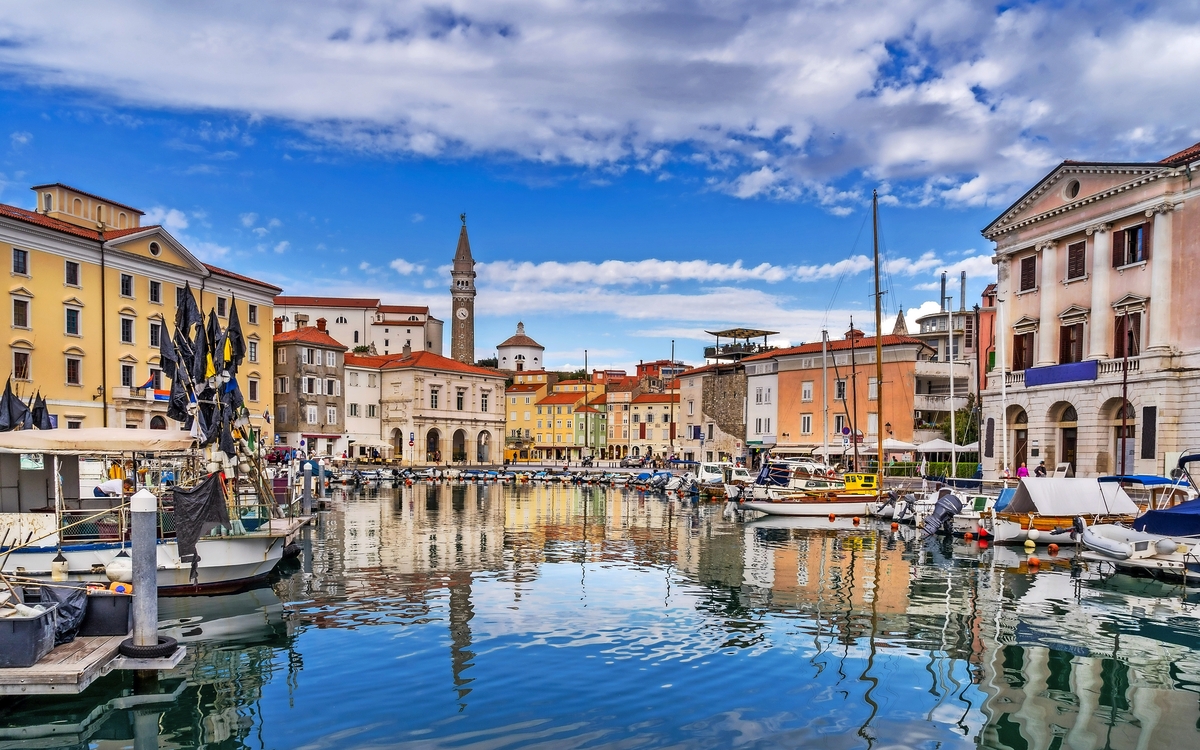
{"x":47,"y":522}
{"x":1043,"y":510}
{"x":855,"y":498}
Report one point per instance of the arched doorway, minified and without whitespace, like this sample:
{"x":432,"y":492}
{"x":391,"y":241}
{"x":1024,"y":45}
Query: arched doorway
{"x":433,"y":446}
{"x":1018,"y":423}
{"x":1067,"y":432}
{"x":158,"y":423}
{"x":483,"y":449}
{"x":396,"y":440}
{"x":459,"y":446}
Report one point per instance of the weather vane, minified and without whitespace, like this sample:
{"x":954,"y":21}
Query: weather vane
{"x":463,"y":216}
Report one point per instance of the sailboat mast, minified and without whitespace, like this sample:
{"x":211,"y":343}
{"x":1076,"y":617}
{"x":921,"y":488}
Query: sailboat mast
{"x":878,"y":338}
{"x":853,"y":396}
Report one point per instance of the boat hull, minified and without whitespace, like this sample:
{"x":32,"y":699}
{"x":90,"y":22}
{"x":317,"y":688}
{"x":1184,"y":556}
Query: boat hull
{"x":1008,"y":528}
{"x":818,"y":506}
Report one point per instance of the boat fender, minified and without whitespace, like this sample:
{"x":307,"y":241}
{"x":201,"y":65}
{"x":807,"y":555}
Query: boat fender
{"x":1165,"y":546}
{"x":120,"y":568}
{"x":58,"y":568}
{"x":1034,"y":535}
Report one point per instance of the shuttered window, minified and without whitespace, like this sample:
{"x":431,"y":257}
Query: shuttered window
{"x":1131,"y":245}
{"x":1028,"y":273}
{"x":1022,"y":357}
{"x":1070,"y":344}
{"x":1149,"y":430}
{"x":1076,"y":260}
{"x":1127,"y":333}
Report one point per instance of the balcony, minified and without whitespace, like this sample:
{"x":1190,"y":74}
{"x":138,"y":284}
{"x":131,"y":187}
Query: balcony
{"x":933,"y":370}
{"x":734,"y":351}
{"x":125,"y":393}
{"x":926,"y":402}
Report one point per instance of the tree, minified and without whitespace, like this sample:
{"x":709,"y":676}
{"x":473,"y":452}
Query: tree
{"x":966,"y":426}
{"x":489,"y":362}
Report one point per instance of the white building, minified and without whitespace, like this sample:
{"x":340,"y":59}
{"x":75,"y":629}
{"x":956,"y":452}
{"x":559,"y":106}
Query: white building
{"x":519,"y":352}
{"x":361,"y":322}
{"x":762,"y":409}
{"x":362,"y":407}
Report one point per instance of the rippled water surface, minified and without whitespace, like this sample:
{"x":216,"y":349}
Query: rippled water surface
{"x":498,"y":617}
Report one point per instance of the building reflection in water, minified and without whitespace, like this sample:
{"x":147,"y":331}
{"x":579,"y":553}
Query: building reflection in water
{"x":903,"y":642}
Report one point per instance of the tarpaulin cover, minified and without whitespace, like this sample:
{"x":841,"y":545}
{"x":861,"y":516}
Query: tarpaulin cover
{"x":1182,"y":520}
{"x":72,"y":604}
{"x":1006,"y":496}
{"x":197,"y":511}
{"x":1063,"y":496}
{"x":94,"y":440}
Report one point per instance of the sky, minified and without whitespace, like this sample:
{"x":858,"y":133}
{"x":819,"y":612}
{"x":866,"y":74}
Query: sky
{"x":633,"y":173}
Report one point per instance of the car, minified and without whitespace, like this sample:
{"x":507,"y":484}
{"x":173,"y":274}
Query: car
{"x":632,"y":462}
{"x":587,"y":461}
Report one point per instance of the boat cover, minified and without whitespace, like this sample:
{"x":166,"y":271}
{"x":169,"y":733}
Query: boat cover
{"x":1148,"y":480}
{"x":94,"y":440}
{"x":1006,"y":496}
{"x":1074,"y":496}
{"x":197,"y":511}
{"x":1181,"y":520}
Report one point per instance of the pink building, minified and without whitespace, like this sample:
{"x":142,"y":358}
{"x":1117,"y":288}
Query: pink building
{"x":1097,"y":281}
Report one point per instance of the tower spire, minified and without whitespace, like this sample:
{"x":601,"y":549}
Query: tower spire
{"x":462,"y":298}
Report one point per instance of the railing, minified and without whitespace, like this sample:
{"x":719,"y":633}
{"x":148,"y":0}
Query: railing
{"x":1116,"y":366}
{"x":728,"y":349}
{"x":1014,"y":378}
{"x":925,"y":402}
{"x":927,"y":368}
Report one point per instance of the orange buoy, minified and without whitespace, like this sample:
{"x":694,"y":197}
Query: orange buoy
{"x":832,"y":517}
{"x":1034,"y":562}
{"x":856,"y":520}
{"x":983,"y":543}
{"x":895,"y":526}
{"x":1053,"y":549}
{"x":120,"y":588}
{"x":968,"y":536}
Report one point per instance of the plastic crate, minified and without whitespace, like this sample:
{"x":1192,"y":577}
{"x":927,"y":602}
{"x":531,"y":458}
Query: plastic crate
{"x":107,"y":613}
{"x":25,"y":640}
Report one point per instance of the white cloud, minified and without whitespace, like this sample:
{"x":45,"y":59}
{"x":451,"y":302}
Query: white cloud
{"x":207,"y":251}
{"x":282,"y":247}
{"x":950,"y":101}
{"x":404,"y":268}
{"x":418,"y":218}
{"x":249,"y":219}
{"x":274,"y":224}
{"x":172,"y":219}
{"x":20,"y":138}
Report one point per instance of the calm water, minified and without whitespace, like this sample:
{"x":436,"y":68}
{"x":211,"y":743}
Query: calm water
{"x":494,"y":617}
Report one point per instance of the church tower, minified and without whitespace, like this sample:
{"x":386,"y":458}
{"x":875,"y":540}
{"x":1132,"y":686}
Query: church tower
{"x":462,"y":297}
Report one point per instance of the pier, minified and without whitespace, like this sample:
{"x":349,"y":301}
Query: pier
{"x":70,"y":668}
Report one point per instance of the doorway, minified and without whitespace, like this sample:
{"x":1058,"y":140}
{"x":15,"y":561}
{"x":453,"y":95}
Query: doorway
{"x":1069,"y":438}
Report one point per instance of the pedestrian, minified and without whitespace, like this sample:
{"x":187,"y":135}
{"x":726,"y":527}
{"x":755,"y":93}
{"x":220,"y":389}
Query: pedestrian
{"x":1022,"y":471}
{"x":1040,"y":471}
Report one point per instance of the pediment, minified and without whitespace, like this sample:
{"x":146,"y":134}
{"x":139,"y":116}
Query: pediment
{"x":1131,"y":302}
{"x":1074,"y":312}
{"x":73,"y":302}
{"x":21,"y":291}
{"x":172,"y":250}
{"x":1026,"y":324}
{"x":1054,"y":194}
{"x":128,"y":358}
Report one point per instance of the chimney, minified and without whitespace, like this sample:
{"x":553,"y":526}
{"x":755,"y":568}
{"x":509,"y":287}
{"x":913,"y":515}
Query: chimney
{"x":962,"y":299}
{"x":321,"y":322}
{"x":302,"y":320}
{"x":942,"y":301}
{"x":406,"y":351}
{"x":279,"y":325}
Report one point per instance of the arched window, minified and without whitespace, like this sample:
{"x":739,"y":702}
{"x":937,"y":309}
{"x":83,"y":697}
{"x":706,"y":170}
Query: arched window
{"x":340,"y":320}
{"x":77,"y":207}
{"x":158,"y":423}
{"x":1069,"y":415}
{"x":121,"y":220}
{"x":356,"y":337}
{"x":48,"y":202}
{"x":99,"y":213}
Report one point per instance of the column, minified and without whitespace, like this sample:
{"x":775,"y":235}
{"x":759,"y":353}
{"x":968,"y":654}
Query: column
{"x":1100,"y":320}
{"x":1161,"y":264}
{"x":1049,"y":310}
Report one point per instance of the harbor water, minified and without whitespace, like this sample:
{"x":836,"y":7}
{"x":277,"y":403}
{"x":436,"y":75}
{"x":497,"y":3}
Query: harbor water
{"x":464,"y":616}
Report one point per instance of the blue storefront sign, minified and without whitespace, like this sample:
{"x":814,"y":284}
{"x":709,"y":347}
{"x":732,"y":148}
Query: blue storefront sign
{"x":1070,"y":373}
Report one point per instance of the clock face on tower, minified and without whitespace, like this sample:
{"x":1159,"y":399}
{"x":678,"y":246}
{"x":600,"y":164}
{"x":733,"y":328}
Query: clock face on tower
{"x":461,"y":313}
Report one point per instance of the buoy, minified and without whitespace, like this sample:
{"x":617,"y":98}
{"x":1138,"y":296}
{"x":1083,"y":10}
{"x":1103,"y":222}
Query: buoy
{"x":895,"y":526}
{"x":1034,"y":534}
{"x":983,"y":544}
{"x":1034,"y":562}
{"x":983,"y":533}
{"x":58,"y":568}
{"x":1053,"y":549}
{"x":120,"y":587}
{"x":856,"y":521}
{"x":1029,"y":546}
{"x":968,"y":536}
{"x":831,"y":517}
{"x":120,"y":568}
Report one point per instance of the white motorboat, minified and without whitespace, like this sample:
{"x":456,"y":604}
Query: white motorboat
{"x":1043,"y":510}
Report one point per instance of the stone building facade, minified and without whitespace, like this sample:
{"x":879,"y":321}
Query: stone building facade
{"x":309,"y":405}
{"x":1097,"y":272}
{"x":713,"y":412}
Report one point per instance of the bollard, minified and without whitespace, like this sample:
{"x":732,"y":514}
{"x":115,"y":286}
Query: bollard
{"x":321,"y":480}
{"x":306,"y":492}
{"x":144,"y":537}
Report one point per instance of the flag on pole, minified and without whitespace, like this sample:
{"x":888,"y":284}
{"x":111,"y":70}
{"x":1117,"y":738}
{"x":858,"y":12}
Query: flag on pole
{"x":267,"y":415}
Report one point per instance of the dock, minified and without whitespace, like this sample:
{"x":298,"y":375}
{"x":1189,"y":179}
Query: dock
{"x":70,"y":668}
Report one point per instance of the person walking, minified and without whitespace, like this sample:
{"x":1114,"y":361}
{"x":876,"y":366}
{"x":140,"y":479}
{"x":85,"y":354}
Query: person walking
{"x":1023,"y":471}
{"x":1040,"y":471}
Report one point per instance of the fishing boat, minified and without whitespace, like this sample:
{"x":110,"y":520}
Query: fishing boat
{"x":855,"y":496}
{"x":1043,"y":510}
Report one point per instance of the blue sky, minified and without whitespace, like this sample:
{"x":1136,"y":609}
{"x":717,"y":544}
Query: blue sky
{"x":632,"y":172}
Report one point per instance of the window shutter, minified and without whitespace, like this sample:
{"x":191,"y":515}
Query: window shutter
{"x":1064,"y":345}
{"x":1149,"y":430}
{"x":1076,"y":259}
{"x":1119,"y":337}
{"x":1147,"y":236}
{"x":642,"y":431}
{"x":1118,"y":248}
{"x":989,"y":443}
{"x":1028,"y":273}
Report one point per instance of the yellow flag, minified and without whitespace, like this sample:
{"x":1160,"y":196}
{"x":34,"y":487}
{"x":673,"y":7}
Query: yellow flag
{"x":209,"y":369}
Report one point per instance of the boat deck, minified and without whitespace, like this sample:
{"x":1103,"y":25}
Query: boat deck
{"x":70,"y":668}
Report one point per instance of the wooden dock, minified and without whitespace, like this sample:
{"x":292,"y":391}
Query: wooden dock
{"x":72,"y":667}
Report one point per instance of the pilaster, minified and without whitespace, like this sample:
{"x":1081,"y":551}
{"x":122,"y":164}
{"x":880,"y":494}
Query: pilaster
{"x":1101,"y":320}
{"x":1161,"y":266}
{"x":1048,"y":310}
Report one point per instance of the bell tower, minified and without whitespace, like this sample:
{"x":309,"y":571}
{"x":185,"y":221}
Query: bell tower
{"x":462,"y":299}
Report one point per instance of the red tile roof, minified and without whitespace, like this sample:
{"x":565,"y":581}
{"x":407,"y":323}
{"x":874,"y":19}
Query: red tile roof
{"x":308,"y":335}
{"x":90,"y":195}
{"x":561,"y":398}
{"x":284,"y":300}
{"x":656,"y":398}
{"x":1191,"y":153}
{"x":431,"y":361}
{"x":588,"y":409}
{"x":867,"y":342}
{"x":523,"y":388}
{"x":374,"y":361}
{"x":230,"y":274}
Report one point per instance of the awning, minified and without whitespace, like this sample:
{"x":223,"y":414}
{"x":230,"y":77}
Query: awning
{"x":892,"y":444}
{"x":939,"y":446}
{"x":94,"y":440}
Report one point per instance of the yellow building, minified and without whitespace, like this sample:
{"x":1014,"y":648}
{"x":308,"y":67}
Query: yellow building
{"x":90,"y":293}
{"x":520,"y":398}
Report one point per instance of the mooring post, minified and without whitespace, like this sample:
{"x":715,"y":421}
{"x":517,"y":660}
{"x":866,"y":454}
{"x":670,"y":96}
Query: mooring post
{"x":306,"y":492}
{"x":143,"y":508}
{"x":321,"y":479}
{"x":145,"y":730}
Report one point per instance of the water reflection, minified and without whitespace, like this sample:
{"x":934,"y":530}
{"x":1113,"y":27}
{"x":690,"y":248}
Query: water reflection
{"x":488,"y":616}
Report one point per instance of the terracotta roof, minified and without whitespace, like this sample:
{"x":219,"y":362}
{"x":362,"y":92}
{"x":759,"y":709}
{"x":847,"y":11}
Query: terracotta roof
{"x":1191,"y":153}
{"x":588,"y":409}
{"x":230,"y":274}
{"x":656,"y":398}
{"x":431,"y":361}
{"x":601,"y":399}
{"x":560,"y":398}
{"x":867,"y":342}
{"x":373,"y":361}
{"x":112,"y":234}
{"x":90,"y":195}
{"x":405,"y":309}
{"x":522,"y":388}
{"x":520,"y":341}
{"x":308,"y":335}
{"x":294,"y":301}
{"x":989,"y":289}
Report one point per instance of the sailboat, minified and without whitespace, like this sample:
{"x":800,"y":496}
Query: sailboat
{"x":858,"y":492}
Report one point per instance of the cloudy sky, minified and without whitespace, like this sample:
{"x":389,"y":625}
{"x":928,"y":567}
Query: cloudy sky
{"x":632,"y":172}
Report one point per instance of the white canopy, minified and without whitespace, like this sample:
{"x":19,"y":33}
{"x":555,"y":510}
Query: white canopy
{"x":94,"y":440}
{"x":833,"y":450}
{"x":969,"y":447}
{"x":938,"y":445}
{"x":1060,"y":496}
{"x":892,"y":444}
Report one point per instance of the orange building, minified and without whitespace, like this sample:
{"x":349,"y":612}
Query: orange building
{"x":848,"y":386}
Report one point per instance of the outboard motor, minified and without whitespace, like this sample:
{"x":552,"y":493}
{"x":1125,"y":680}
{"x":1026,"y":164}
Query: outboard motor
{"x":906,"y":507}
{"x":889,"y":503}
{"x":1077,"y":527}
{"x":941,"y":519}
